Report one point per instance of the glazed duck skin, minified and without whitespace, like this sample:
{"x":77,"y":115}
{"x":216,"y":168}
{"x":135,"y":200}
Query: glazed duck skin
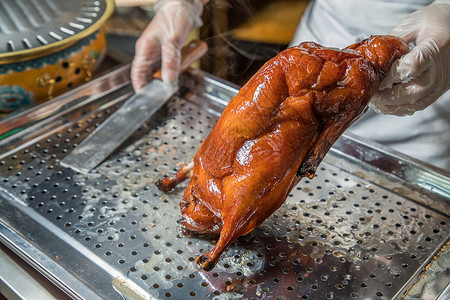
{"x":274,"y":132}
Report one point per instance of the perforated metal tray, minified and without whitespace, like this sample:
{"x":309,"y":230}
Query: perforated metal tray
{"x":365,"y":227}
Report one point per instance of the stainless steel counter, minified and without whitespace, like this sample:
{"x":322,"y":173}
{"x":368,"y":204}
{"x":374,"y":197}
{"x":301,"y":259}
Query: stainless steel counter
{"x":373,"y":224}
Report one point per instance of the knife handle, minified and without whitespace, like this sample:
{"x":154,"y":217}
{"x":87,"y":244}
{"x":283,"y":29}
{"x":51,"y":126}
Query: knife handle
{"x":191,"y":52}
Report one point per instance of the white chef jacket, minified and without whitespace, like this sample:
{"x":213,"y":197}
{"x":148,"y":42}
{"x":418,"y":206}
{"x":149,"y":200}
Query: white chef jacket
{"x":339,"y":23}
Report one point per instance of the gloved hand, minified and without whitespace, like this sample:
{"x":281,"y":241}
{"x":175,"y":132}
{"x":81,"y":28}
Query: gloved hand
{"x":161,"y":42}
{"x":420,"y":77}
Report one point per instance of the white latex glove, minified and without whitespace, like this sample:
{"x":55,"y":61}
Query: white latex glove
{"x":420,"y":77}
{"x":161,"y":42}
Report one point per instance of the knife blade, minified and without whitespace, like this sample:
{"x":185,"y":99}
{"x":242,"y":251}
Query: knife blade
{"x":129,"y":117}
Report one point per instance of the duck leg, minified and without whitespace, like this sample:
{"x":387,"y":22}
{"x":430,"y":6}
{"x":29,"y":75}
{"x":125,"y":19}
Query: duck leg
{"x":168,"y":183}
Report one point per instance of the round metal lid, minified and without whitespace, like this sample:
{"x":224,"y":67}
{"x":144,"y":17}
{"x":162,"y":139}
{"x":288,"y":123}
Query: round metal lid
{"x":33,"y":28}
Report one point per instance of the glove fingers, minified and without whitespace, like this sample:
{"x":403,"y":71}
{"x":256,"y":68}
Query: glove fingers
{"x":411,"y":65}
{"x":146,"y":60}
{"x":162,"y":40}
{"x":170,"y":68}
{"x":142,"y":73}
{"x":407,"y":95}
{"x":407,"y":109}
{"x":417,"y":61}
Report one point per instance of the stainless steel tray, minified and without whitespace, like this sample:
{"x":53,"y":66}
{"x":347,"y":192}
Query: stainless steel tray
{"x":367,"y":226}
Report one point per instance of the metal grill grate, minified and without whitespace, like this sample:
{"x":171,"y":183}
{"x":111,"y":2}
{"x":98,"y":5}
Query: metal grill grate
{"x":27,"y":24}
{"x":336,"y":237}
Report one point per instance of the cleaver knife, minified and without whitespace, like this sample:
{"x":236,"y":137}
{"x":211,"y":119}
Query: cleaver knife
{"x":129,"y":117}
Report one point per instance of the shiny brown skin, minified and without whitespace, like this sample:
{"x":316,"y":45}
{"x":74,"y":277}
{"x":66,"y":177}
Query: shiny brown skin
{"x":276,"y":131}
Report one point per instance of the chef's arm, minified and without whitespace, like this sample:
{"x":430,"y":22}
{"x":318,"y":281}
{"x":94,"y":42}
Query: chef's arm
{"x":161,"y":42}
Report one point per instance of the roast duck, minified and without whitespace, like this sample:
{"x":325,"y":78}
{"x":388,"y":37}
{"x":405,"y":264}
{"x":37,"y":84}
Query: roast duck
{"x":274,"y":132}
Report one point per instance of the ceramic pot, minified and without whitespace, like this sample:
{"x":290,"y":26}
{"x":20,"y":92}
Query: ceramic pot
{"x":46,"y":50}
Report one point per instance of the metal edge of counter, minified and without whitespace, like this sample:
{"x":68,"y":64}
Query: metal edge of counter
{"x":45,"y":266}
{"x":51,"y":267}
